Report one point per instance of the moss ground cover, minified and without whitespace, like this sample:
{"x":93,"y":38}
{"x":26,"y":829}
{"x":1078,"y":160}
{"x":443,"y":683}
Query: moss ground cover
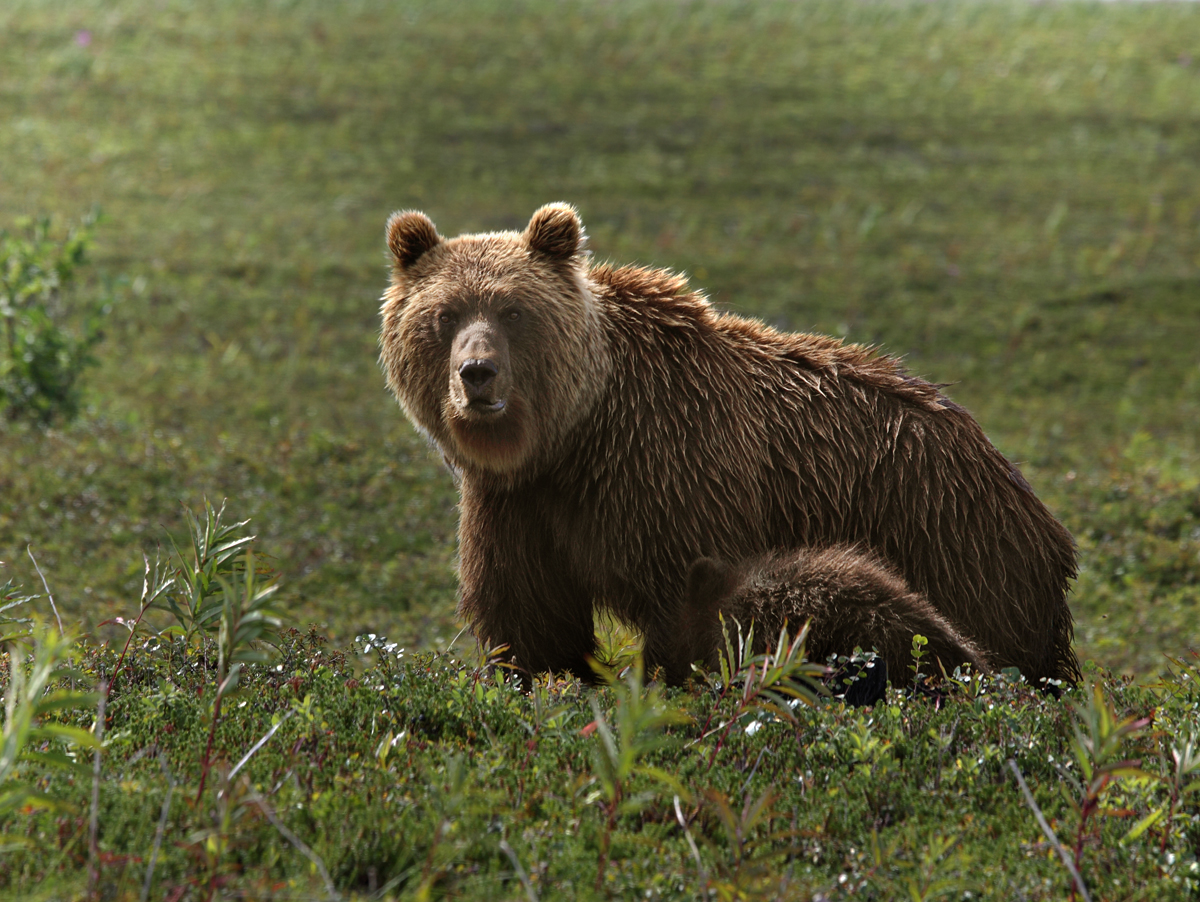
{"x":1006,"y":194}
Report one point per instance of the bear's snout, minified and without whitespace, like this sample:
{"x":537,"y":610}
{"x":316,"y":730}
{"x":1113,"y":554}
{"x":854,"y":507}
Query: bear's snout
{"x":477,"y":375}
{"x":479,"y":363}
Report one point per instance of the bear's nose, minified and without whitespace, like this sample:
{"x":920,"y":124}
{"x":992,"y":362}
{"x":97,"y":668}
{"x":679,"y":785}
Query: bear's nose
{"x":477,"y":375}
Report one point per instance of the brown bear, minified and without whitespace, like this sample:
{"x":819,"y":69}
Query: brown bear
{"x":609,"y":427}
{"x":847,"y":596}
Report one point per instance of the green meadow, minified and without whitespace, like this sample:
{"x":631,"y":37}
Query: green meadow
{"x":1007,"y":195}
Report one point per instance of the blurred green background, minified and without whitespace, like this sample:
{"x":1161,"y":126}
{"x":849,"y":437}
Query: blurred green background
{"x":1006,"y":194}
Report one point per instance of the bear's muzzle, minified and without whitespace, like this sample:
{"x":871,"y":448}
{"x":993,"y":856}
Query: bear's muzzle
{"x":478,"y":377}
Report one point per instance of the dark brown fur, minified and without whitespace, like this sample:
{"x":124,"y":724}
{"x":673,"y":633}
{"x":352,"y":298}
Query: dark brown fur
{"x":849,"y":598}
{"x":641,"y":429}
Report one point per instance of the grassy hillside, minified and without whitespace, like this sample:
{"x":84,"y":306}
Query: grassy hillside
{"x":1006,"y":194}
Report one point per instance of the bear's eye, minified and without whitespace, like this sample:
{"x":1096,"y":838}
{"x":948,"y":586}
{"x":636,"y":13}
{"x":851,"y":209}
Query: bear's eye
{"x":514,"y":315}
{"x":444,"y":318}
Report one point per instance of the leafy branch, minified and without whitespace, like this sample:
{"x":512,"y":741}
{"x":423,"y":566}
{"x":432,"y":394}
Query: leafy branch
{"x":29,"y":699}
{"x":640,"y":718}
{"x":771,"y":682}
{"x":246,"y":621}
{"x":1098,"y":738}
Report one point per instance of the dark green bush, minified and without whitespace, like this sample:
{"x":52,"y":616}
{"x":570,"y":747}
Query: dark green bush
{"x":41,"y":357}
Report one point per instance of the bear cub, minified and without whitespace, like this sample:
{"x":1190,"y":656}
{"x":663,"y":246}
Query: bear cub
{"x":849,"y":598}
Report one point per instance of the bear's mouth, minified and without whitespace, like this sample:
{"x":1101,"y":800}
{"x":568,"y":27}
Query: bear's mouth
{"x":485,"y":407}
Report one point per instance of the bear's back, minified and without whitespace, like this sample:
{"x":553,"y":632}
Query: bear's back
{"x":749,"y":440}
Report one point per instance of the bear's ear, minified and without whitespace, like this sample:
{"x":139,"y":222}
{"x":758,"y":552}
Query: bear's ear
{"x":709,"y":582}
{"x":556,"y":231}
{"x":409,"y":235}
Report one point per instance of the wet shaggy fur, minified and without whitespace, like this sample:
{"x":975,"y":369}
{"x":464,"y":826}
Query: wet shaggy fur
{"x":629,"y":428}
{"x":848,"y":597}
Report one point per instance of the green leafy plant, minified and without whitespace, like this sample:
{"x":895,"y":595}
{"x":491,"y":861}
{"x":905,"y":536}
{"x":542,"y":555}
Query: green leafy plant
{"x":750,"y":867}
{"x":156,"y":583}
{"x":221,"y":594}
{"x":199,"y":606}
{"x":13,"y":626}
{"x":450,"y":794}
{"x":640,"y":718}
{"x":918,"y":653}
{"x":617,"y":646}
{"x":235,"y":810}
{"x":937,"y":873}
{"x":1182,"y":779}
{"x":1097,"y":744}
{"x":544,"y":717}
{"x":390,"y":654}
{"x":770,"y":682}
{"x":40,"y":358}
{"x":867,"y":748}
{"x":35,"y":665}
{"x":246,"y":622}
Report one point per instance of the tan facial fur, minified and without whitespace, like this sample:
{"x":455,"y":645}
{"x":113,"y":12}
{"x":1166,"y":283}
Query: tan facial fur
{"x":492,"y":342}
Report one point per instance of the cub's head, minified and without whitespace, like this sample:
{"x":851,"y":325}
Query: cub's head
{"x":493,"y":344}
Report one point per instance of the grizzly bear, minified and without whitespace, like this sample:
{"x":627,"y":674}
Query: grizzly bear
{"x":608,"y":427}
{"x":848,"y":597}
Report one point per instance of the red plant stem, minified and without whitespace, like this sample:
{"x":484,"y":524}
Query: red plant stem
{"x":717,"y":704}
{"x":212,"y":732}
{"x":94,"y":814}
{"x":437,"y":837}
{"x":741,"y":709}
{"x":1166,"y":831}
{"x":725,"y":734}
{"x":1084,"y":814}
{"x":609,"y":826}
{"x":121,"y":660}
{"x":530,"y":747}
{"x":1090,"y":804}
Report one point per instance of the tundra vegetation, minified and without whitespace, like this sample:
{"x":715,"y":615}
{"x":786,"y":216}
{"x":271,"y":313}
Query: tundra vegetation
{"x":1006,"y":194}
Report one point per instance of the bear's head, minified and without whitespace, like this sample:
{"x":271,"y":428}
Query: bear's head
{"x":493,"y":344}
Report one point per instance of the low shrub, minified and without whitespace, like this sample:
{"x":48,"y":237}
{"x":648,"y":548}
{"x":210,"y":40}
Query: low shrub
{"x":41,"y":355}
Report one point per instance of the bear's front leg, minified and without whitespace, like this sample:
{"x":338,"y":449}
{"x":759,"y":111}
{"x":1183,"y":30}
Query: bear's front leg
{"x":667,"y":650}
{"x":515,"y":591}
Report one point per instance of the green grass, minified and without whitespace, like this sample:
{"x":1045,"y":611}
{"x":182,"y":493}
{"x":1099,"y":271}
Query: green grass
{"x":1006,"y":194}
{"x":405,"y":774}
